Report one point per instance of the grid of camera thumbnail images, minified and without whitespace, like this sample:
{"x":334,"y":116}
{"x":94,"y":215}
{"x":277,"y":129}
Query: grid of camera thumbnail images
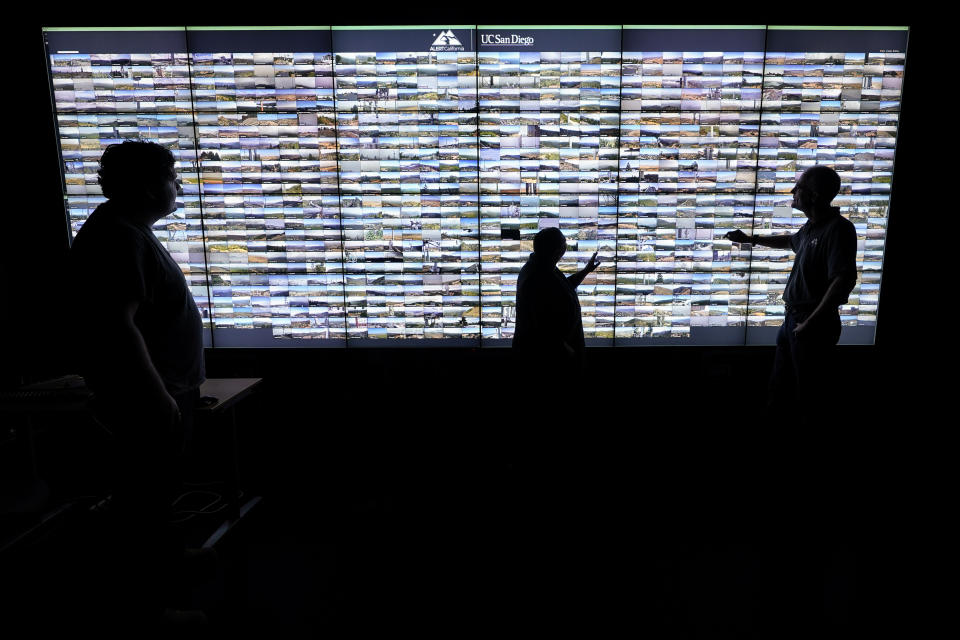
{"x":396,"y":195}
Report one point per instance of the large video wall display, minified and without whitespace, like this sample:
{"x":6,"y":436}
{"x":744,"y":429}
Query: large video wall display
{"x":829,"y":97}
{"x":356,"y":186}
{"x":406,"y":125}
{"x":548,"y":158}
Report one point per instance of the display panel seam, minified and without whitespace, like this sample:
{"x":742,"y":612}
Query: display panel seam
{"x":616,"y":244}
{"x":756,"y":187}
{"x":211,"y":305}
{"x":476,"y":111}
{"x":340,"y":226}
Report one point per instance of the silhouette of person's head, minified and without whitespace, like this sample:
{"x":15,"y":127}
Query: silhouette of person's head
{"x":142,"y":176}
{"x":549,"y":245}
{"x":815,"y":189}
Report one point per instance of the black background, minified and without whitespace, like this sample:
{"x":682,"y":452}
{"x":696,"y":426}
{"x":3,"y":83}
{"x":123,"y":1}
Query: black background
{"x":660,"y":453}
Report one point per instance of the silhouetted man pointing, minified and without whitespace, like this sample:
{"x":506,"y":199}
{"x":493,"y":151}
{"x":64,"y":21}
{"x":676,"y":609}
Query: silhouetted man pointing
{"x":824,"y":273}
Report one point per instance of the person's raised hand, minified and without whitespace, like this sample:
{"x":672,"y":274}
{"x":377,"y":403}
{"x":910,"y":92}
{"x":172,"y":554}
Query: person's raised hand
{"x":593,"y":263}
{"x":738,"y":236}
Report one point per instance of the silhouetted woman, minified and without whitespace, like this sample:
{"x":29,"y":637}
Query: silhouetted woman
{"x":549,"y":330}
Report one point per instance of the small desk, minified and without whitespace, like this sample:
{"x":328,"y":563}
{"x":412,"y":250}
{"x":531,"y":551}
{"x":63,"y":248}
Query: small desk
{"x":69,"y":395}
{"x":228,"y":392}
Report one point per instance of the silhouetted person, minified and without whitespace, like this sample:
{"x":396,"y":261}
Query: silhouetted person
{"x":824,"y":272}
{"x":140,"y":348}
{"x":549,"y":329}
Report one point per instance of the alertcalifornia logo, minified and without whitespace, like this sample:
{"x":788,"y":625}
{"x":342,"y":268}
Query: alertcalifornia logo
{"x":446,"y":41}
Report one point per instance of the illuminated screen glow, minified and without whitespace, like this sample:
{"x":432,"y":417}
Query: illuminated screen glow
{"x":356,"y":185}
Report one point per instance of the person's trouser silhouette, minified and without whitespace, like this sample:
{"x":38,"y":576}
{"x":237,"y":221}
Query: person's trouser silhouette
{"x":803,"y":384}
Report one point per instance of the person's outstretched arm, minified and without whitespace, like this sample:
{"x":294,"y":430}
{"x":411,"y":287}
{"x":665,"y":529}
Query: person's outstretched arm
{"x":774,"y":242}
{"x":575,"y":279}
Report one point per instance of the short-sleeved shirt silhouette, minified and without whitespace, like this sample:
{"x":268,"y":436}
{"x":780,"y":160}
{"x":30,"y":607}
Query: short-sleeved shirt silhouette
{"x":548,"y":310}
{"x":115,"y":261}
{"x":825,"y":250}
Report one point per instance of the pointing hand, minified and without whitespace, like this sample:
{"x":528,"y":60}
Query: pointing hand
{"x":593,"y":262}
{"x":738,"y":237}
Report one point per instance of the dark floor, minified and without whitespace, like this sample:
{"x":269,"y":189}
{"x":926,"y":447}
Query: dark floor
{"x":664,"y":509}
{"x":486,"y":545}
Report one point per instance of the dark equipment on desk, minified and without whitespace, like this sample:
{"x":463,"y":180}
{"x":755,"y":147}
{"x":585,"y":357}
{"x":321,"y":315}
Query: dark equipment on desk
{"x":68,"y":396}
{"x":205,"y":402}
